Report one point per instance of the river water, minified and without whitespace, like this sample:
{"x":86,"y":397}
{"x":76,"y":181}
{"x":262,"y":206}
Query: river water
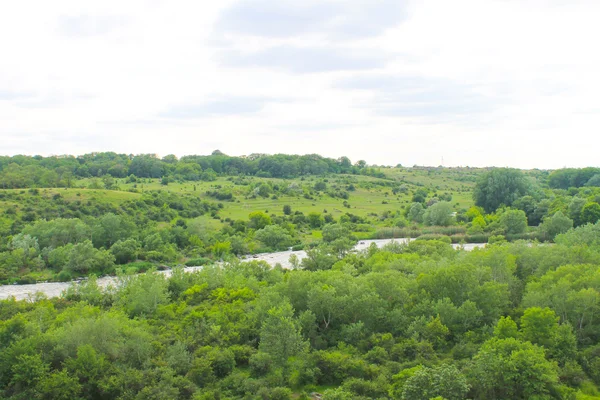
{"x":54,"y":289}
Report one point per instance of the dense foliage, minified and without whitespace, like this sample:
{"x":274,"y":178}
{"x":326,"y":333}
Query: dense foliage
{"x":24,"y":171}
{"x":571,"y":177}
{"x":136,"y":223}
{"x":415,"y":321}
{"x":517,"y":320}
{"x":500,"y":187}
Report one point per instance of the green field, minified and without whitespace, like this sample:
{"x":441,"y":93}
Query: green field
{"x":372,"y":197}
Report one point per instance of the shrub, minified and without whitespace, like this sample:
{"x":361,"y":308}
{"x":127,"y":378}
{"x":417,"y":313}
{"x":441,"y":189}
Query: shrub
{"x":441,"y":238}
{"x":26,"y":280}
{"x":197,"y":262}
{"x":514,"y":221}
{"x":555,"y":225}
{"x":64,"y":276}
{"x":439,"y":214}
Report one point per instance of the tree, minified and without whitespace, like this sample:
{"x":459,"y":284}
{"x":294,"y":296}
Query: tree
{"x":506,"y":328}
{"x":345,"y":164}
{"x":220,"y":249}
{"x":513,"y":221}
{"x":590,"y":213}
{"x":527,"y":204}
{"x":59,"y":257}
{"x":315,"y":219}
{"x":209,"y":175}
{"x":170,"y":159}
{"x":538,"y":325}
{"x":575,"y":208}
{"x":280,"y":335}
{"x":320,"y":186}
{"x":60,"y":386}
{"x":337,"y":394}
{"x":415,"y":212}
{"x":400,"y":379}
{"x":594,"y":181}
{"x":445,"y":381}
{"x":109,"y":182}
{"x":438,"y":214}
{"x":84,"y":258}
{"x":275,"y":237}
{"x":573,"y":292}
{"x":188,"y":171}
{"x":500,"y":186}
{"x":26,"y":248}
{"x":142,"y":294}
{"x":582,"y":235}
{"x":258,"y":220}
{"x":420,"y":195}
{"x":125,"y":250}
{"x":287,"y":209}
{"x":477,"y":225}
{"x":58,"y":232}
{"x":541,"y":211}
{"x":294,"y":261}
{"x":319,"y":258}
{"x":146,"y":166}
{"x":556,"y":224}
{"x":571,"y":177}
{"x":111,"y":228}
{"x":324,"y":303}
{"x":27,"y":371}
{"x":512,"y":369}
{"x":333,"y":232}
{"x":341,"y":246}
{"x":28,"y":244}
{"x":430,"y":329}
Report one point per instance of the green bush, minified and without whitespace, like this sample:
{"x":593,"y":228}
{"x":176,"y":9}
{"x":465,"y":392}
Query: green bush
{"x":441,"y":238}
{"x":197,"y":262}
{"x":64,"y":276}
{"x":459,"y":238}
{"x":481,"y":238}
{"x":497,"y":239}
{"x":140,"y":266}
{"x":26,"y":280}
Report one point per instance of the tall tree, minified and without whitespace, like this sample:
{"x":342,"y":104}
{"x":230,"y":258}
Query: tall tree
{"x":280,"y":335}
{"x":500,"y":186}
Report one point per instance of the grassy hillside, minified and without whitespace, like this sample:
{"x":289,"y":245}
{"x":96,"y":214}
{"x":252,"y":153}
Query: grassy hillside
{"x":123,"y":221}
{"x":371,"y":197}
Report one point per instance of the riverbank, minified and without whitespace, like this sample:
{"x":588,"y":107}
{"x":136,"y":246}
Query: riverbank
{"x":54,"y":289}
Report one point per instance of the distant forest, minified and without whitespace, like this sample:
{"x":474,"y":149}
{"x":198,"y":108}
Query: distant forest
{"x":58,"y":171}
{"x":21,"y":171}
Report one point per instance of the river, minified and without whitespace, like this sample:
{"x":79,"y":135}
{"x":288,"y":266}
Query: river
{"x":54,"y":289}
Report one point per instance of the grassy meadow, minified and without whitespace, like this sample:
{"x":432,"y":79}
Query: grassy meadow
{"x":371,"y":198}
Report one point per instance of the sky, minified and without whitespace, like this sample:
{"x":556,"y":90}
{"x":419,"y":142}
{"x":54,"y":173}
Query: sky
{"x":426,"y":82}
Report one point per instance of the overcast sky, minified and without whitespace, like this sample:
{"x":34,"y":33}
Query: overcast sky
{"x":469,"y":82}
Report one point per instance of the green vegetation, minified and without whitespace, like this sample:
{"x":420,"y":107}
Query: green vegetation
{"x":416,"y":321}
{"x":132,"y":212}
{"x":517,"y":320}
{"x":141,"y":210}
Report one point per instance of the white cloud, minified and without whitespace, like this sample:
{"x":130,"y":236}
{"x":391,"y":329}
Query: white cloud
{"x":329,"y":18}
{"x":477,"y":82}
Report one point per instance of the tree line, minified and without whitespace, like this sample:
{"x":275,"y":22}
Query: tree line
{"x":60,"y":171}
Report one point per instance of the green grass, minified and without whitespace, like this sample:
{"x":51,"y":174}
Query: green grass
{"x":111,"y":196}
{"x":362,"y":202}
{"x":371,"y":198}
